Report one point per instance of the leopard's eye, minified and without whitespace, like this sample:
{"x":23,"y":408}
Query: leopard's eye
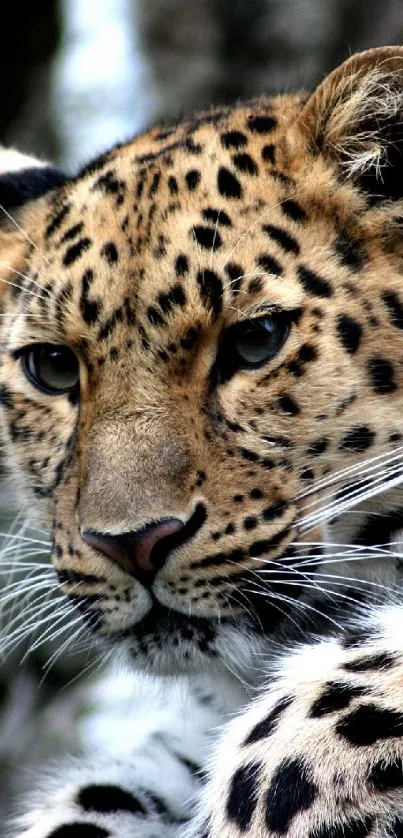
{"x":250,"y":344}
{"x":258,"y":341}
{"x":51,"y":368}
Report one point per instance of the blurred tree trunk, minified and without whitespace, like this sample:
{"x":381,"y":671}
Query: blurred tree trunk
{"x":198,"y":52}
{"x":29,"y":38}
{"x":208,"y":51}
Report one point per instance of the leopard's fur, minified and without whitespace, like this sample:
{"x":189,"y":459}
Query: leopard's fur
{"x":145,"y":265}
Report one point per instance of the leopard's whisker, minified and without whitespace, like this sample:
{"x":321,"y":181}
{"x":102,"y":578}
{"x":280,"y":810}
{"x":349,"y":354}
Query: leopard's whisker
{"x":252,"y":613}
{"x":248,"y":607}
{"x":371,"y":486}
{"x":329,"y":593}
{"x":18,"y":537}
{"x":214,"y":240}
{"x":26,"y":277}
{"x":339,"y":581}
{"x":95,"y":663}
{"x":24,"y":233}
{"x":254,"y":224}
{"x":364,"y":467}
{"x":37,"y":616}
{"x":21,"y":288}
{"x":336,"y":508}
{"x":31,"y":607}
{"x":29,"y":584}
{"x":348,"y":559}
{"x":15,"y":563}
{"x":355,"y":548}
{"x":50,"y":634}
{"x":311,"y":580}
{"x":84,"y":645}
{"x":250,"y":275}
{"x":303,"y":606}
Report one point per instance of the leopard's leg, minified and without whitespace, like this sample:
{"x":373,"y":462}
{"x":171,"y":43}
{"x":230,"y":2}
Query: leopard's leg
{"x":320,"y":753}
{"x":110,"y":798}
{"x":140,"y":781}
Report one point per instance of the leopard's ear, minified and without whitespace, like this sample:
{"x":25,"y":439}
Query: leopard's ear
{"x":356,"y":117}
{"x":24,"y":181}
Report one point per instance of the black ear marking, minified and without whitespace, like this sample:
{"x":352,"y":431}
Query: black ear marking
{"x":19,"y":187}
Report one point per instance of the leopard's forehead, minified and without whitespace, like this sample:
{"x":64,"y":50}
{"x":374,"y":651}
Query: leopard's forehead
{"x":184,"y":228}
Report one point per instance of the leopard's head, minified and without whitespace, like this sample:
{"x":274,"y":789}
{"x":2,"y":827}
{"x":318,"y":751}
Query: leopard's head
{"x":199,"y":331}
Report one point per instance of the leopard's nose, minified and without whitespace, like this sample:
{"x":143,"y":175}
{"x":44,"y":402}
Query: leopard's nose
{"x":140,"y":552}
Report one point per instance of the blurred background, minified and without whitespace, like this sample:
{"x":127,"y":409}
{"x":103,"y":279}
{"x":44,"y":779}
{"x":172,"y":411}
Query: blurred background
{"x":77,"y":76}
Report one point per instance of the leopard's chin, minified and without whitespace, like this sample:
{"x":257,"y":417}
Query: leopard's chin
{"x":166,"y":638}
{"x":166,"y":641}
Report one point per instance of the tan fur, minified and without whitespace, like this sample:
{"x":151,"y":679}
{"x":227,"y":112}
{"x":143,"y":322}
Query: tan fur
{"x":149,"y":424}
{"x":143,"y":265}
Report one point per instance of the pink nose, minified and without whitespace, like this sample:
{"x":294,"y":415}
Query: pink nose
{"x":133,"y":551}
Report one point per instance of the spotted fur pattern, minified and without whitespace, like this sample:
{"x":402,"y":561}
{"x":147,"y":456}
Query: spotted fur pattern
{"x":148,"y":266}
{"x":320,"y":753}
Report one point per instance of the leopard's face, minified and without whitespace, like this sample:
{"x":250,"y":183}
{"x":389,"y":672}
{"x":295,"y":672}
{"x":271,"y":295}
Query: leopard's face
{"x":209,"y":324}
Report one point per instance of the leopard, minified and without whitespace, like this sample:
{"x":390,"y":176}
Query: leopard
{"x":201,"y":403}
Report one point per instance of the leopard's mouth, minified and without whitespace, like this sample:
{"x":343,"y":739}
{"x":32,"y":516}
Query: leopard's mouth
{"x":166,"y":627}
{"x":169,"y":623}
{"x":166,"y":640}
{"x":259,"y":599}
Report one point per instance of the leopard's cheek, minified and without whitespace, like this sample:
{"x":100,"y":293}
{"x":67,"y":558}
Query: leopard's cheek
{"x":41,"y":441}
